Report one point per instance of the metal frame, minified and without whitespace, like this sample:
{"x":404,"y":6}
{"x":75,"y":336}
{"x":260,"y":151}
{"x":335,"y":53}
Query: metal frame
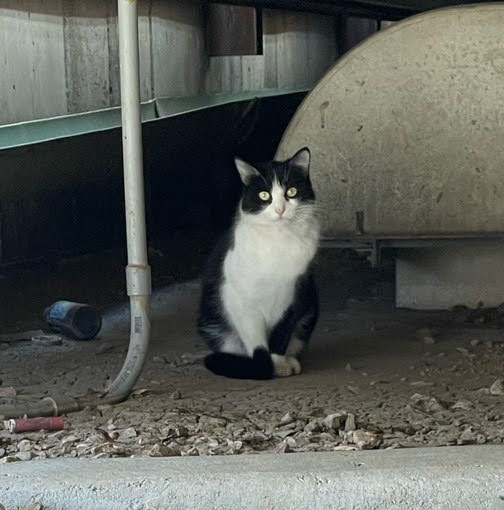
{"x":378,"y":9}
{"x":374,"y":245}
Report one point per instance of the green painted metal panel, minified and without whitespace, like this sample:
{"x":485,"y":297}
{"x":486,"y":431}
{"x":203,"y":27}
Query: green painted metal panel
{"x":38,"y":131}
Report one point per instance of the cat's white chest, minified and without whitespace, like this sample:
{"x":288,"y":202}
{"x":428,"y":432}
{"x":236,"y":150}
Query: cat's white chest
{"x":262,"y":269}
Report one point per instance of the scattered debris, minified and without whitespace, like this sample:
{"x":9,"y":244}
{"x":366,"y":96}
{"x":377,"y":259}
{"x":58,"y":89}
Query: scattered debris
{"x":32,"y":506}
{"x":364,"y":439}
{"x":283,"y":447}
{"x":47,"y":340}
{"x":482,"y":316}
{"x":104,"y":347}
{"x":465,"y":405}
{"x":7,"y":392}
{"x":426,"y":335}
{"x":469,"y":436}
{"x":335,"y":421}
{"x":8,"y":459}
{"x":421,"y":384}
{"x":187,"y":359}
{"x":287,"y":418}
{"x":161,"y":450}
{"x":24,"y":446}
{"x":426,"y":404}
{"x":24,"y":455}
{"x":140,"y":392}
{"x":345,"y":448}
{"x":126,"y":435}
{"x":350,"y":423}
{"x":475,"y":342}
{"x":23,"y":336}
{"x":380,"y":381}
{"x":497,"y":388}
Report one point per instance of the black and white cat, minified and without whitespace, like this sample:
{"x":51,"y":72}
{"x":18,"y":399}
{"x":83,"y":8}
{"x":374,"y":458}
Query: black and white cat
{"x":259,"y":302}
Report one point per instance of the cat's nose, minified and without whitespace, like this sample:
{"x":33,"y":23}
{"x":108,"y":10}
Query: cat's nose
{"x":280,"y":210}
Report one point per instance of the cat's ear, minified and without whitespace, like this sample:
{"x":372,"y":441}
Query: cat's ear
{"x":301,"y":160}
{"x":246,"y":170}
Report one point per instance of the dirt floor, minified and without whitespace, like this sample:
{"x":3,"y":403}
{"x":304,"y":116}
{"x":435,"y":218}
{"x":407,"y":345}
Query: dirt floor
{"x":374,"y":377}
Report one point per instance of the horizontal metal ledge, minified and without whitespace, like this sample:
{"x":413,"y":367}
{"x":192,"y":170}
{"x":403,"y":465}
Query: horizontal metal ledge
{"x":421,"y":241}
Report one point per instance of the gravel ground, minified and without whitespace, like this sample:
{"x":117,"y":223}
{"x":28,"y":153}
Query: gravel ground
{"x":374,"y":377}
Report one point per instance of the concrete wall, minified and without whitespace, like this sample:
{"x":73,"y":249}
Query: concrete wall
{"x":61,"y":56}
{"x":441,"y":278}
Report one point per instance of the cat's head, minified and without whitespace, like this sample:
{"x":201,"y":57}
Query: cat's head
{"x":277,"y":191}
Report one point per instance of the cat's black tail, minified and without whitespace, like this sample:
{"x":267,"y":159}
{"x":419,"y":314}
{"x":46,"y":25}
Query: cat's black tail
{"x":241,"y":367}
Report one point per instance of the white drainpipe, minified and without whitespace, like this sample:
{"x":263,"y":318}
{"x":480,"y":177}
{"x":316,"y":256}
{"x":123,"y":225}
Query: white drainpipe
{"x":138,"y":276}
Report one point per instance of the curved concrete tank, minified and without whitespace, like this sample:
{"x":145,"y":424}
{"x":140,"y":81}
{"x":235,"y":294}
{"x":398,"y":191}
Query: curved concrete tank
{"x":408,"y":128}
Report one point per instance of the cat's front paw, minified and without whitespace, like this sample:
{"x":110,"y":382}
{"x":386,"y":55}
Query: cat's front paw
{"x":295,"y":365}
{"x":285,"y":366}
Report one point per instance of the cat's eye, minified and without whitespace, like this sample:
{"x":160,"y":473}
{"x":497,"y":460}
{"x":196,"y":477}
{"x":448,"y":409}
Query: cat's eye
{"x":291,"y":192}
{"x":264,"y":195}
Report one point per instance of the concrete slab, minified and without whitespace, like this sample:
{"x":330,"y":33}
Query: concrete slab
{"x":441,"y":278}
{"x":458,"y":478}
